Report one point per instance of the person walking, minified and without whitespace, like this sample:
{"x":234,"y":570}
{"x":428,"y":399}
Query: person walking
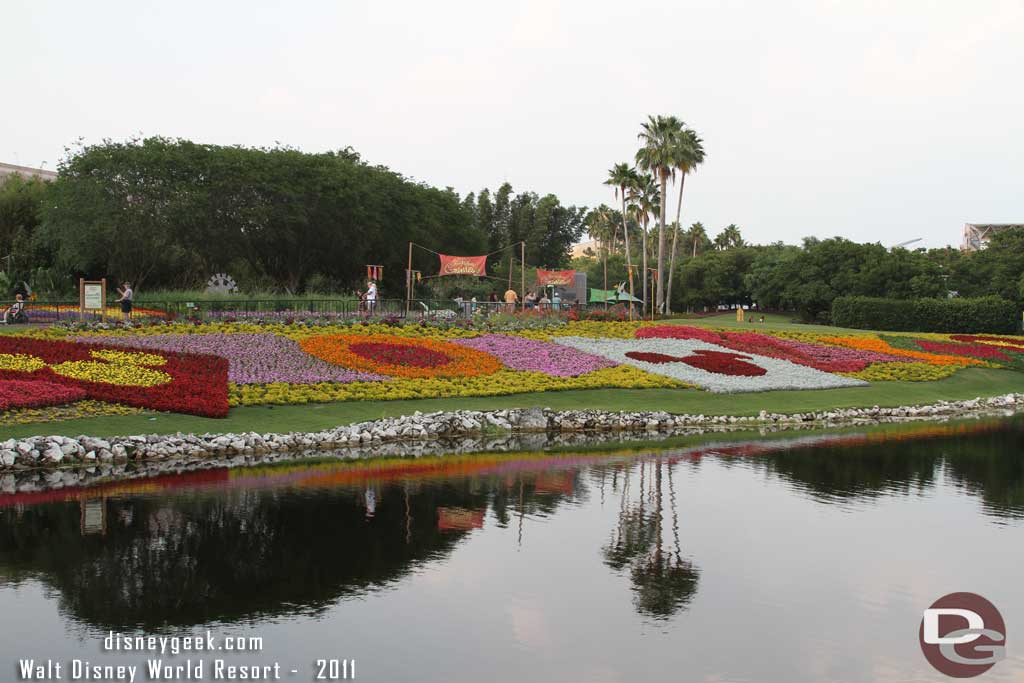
{"x":126,"y":300}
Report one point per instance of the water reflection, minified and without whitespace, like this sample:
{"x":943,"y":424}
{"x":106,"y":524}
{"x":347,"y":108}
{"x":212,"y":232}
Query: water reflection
{"x":663,"y":582}
{"x":255,"y":544}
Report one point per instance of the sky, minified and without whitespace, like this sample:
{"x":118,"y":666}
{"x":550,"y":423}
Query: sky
{"x":876,"y":121}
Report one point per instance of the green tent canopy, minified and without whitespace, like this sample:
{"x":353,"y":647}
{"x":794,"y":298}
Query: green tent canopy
{"x":610,"y":295}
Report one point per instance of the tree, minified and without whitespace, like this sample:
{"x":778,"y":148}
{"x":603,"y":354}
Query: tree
{"x":658,"y":155}
{"x":689,"y":153}
{"x":645,"y":201}
{"x":729,"y":238}
{"x":697,"y":239}
{"x":623,"y":179}
{"x":21,"y":203}
{"x":168,"y":213}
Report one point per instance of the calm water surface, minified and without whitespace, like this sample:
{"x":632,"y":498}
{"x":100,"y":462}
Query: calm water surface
{"x":806,"y":557}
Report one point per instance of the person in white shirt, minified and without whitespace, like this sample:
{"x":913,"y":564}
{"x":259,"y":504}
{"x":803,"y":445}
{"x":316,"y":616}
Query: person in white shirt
{"x":14,"y":314}
{"x":371,"y":296}
{"x":126,"y":300}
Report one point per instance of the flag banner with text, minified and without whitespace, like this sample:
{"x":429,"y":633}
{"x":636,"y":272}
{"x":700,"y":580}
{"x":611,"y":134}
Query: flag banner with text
{"x":463,"y":265}
{"x":561,"y":278}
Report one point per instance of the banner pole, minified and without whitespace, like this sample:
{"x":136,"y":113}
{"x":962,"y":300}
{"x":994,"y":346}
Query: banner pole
{"x":605,"y":279}
{"x":408,"y":284}
{"x":522,"y":263}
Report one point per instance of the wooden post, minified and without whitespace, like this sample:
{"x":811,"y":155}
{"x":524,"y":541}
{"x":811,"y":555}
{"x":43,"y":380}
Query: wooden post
{"x":522,"y":263}
{"x":605,"y":279}
{"x":630,"y":269}
{"x":81,"y":299}
{"x":408,"y":284}
{"x":103,"y":288}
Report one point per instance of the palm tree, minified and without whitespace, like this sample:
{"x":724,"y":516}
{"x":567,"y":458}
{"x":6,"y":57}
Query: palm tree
{"x":697,"y":235}
{"x":602,"y":228}
{"x":659,"y":135}
{"x":645,"y":201}
{"x":729,"y":238}
{"x":622,"y":178}
{"x":689,"y":154}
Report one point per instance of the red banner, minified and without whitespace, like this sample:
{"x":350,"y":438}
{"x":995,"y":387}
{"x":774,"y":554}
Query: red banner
{"x":562,"y":278}
{"x":463,"y":265}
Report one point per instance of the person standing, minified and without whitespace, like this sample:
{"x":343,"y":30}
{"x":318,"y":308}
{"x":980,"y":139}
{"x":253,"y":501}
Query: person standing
{"x":371,"y":296}
{"x":511,"y":298}
{"x":126,"y":300}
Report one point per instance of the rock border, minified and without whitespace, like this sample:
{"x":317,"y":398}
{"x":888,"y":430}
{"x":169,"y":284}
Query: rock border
{"x":49,"y":452}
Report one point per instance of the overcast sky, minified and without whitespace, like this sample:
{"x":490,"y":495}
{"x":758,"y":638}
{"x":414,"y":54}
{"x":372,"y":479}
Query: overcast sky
{"x":878,"y":121}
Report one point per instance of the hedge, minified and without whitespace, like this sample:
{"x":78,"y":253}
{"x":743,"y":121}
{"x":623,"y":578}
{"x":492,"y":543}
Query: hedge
{"x":990,"y":314}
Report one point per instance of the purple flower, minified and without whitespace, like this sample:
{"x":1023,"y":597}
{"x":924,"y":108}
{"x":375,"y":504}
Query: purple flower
{"x":253,"y":358}
{"x":520,"y":353}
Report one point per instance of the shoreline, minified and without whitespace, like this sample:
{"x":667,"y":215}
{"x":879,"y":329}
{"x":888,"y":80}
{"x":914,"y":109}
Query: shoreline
{"x":434,"y":433}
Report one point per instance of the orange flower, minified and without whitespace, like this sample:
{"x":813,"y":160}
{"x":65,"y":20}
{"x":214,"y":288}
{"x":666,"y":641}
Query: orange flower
{"x":882,"y":346}
{"x":401,"y":356}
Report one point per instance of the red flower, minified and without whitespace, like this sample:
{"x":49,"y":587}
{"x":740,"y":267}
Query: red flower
{"x":15,"y":393}
{"x":998,"y":342}
{"x":718,"y":362}
{"x":951,"y":349}
{"x":397,"y":354}
{"x":198,"y":385}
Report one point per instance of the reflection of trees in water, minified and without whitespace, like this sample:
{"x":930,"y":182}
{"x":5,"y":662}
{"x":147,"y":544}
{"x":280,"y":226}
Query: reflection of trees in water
{"x":250,"y":553}
{"x":987,"y":464}
{"x":233,"y":555}
{"x":254,"y":553}
{"x":663,"y":581}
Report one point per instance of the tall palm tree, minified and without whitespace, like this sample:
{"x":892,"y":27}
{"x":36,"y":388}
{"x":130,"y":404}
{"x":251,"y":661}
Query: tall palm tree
{"x":623,"y":178}
{"x":659,"y":136}
{"x":602,"y":227}
{"x":689,"y":154}
{"x":697,"y":235}
{"x":646,"y":201}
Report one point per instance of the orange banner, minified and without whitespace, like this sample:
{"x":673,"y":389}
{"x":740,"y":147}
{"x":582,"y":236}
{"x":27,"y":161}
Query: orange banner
{"x":463,"y":265}
{"x":562,"y":278}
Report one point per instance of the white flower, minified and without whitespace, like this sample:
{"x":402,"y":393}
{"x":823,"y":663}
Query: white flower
{"x":779,"y":374}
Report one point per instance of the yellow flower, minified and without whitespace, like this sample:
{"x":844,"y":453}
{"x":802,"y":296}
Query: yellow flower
{"x":20,"y":362}
{"x":124,"y":368}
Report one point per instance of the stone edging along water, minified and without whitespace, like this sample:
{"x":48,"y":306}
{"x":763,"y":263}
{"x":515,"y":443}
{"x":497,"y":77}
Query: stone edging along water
{"x":402,"y":433}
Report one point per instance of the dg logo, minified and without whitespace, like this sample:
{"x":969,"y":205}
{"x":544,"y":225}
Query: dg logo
{"x":962,"y":635}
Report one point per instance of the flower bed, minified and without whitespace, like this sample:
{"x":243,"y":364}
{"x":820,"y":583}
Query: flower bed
{"x":882,"y":346}
{"x":17,"y":393}
{"x":401,"y":357}
{"x":709,"y":366}
{"x":957,"y":349}
{"x":538,"y":356}
{"x":1016,"y":343}
{"x":818,"y":356}
{"x":169,"y":366}
{"x":177,"y":382}
{"x":501,"y":383}
{"x":253,"y":358}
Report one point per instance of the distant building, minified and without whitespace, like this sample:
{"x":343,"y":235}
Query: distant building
{"x":977,"y":235}
{"x":11,"y":169}
{"x":585,"y":249}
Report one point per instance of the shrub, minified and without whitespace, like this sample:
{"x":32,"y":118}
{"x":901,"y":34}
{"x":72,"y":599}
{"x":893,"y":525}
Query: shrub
{"x":987,"y":314}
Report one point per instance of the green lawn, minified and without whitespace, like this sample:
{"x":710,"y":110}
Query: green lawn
{"x":964,"y":384}
{"x":772,"y":321}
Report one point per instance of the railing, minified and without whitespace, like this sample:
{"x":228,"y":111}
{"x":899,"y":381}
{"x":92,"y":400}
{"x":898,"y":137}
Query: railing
{"x":286,"y":309}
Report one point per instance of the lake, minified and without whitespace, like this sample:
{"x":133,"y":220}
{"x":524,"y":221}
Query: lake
{"x":803,"y":556}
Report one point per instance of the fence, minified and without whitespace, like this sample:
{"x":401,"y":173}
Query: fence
{"x":285,"y":309}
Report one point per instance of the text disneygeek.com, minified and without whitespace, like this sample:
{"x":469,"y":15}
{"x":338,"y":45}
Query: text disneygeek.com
{"x":162,"y":662}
